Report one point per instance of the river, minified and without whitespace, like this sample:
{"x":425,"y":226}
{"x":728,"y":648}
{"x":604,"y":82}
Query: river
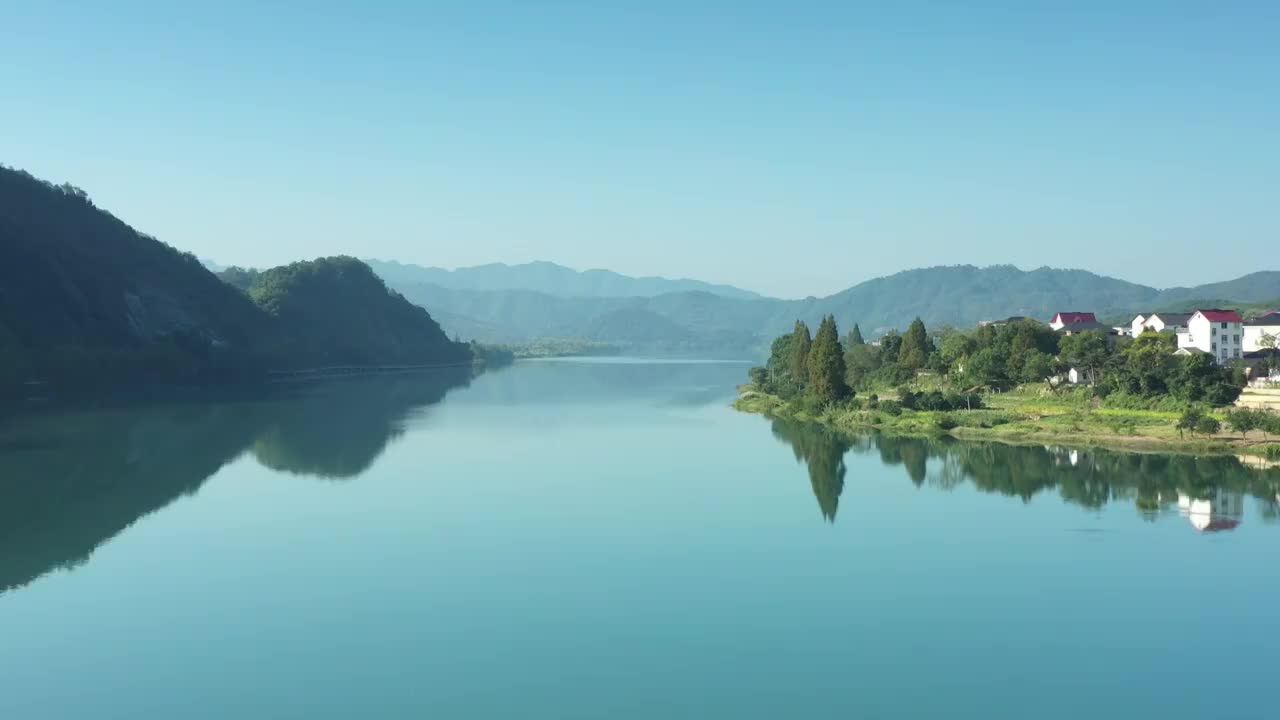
{"x":608,"y":539}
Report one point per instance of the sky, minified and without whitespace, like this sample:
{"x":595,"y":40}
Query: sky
{"x":792,"y":148}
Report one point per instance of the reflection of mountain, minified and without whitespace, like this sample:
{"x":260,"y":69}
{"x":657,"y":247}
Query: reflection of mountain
{"x":822,"y":451}
{"x":1208,"y":489}
{"x":72,"y":481}
{"x":337,"y":430}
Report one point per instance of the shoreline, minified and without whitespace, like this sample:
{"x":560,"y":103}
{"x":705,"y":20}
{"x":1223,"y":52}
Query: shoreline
{"x":1024,"y":431}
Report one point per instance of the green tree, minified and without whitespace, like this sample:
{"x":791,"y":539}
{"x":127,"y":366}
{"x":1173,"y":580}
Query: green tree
{"x":916,"y":346}
{"x":1190,"y":420}
{"x":890,"y":346}
{"x":1145,"y":366}
{"x":1036,"y":367}
{"x":1268,"y":423}
{"x":801,"y":342}
{"x":1195,"y":378}
{"x":1242,"y":420}
{"x":861,"y":363}
{"x":855,"y":337}
{"x":955,"y":348}
{"x":778,"y":367}
{"x":1086,"y":351}
{"x":826,"y":364}
{"x":986,"y":367}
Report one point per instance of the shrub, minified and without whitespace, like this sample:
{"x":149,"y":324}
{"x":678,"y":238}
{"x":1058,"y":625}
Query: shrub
{"x":936,"y":401}
{"x":908,"y":399}
{"x":1121,"y":425}
{"x":933,"y":400}
{"x":890,"y":407}
{"x":812,"y":405}
{"x":1208,"y":425}
{"x":1158,"y":403}
{"x":946,"y":422}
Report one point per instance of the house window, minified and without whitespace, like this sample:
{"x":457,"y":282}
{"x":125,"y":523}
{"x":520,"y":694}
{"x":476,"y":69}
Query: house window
{"x":1237,"y":354}
{"x":1224,"y":326}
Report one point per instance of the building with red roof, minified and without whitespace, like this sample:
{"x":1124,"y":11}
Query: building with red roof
{"x":1217,"y":332}
{"x":1064,"y":319}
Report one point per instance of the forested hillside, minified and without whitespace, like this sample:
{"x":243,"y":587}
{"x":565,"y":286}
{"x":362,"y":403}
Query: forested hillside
{"x":83,"y":293}
{"x":86,"y":299}
{"x":336,"y":311}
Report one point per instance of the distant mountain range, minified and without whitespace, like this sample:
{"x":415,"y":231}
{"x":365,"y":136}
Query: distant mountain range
{"x":547,"y":277}
{"x":710,"y":322}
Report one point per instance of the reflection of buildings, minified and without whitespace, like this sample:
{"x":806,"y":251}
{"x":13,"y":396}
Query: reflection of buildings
{"x":1221,"y":510}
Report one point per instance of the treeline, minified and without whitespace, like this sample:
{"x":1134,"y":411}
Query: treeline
{"x":992,"y":357}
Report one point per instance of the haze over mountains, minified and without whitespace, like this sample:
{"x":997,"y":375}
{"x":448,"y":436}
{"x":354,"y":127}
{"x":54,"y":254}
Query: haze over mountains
{"x":711,"y":318}
{"x":549,"y":278}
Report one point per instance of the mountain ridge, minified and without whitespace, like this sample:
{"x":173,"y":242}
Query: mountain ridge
{"x":549,"y":277}
{"x":960,"y":295}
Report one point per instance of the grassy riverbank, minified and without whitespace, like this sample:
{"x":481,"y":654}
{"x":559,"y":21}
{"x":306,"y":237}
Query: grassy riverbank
{"x":1023,"y":416}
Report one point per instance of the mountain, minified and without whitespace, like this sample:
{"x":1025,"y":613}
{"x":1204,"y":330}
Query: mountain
{"x":706,"y":323}
{"x":548,"y":278}
{"x":82,"y":291}
{"x":697,"y":323}
{"x":85,"y":298}
{"x":336,"y":311}
{"x":1257,"y":287}
{"x":963,"y":295}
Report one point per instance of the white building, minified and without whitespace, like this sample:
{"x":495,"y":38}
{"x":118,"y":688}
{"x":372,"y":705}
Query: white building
{"x":1217,"y":332}
{"x":1160,"y":322}
{"x":1261,"y":327}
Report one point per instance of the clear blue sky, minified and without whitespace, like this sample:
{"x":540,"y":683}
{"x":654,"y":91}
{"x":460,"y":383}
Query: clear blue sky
{"x":793,"y":148}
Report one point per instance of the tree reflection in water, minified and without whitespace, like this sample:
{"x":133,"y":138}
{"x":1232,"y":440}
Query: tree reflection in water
{"x":1212,"y":486}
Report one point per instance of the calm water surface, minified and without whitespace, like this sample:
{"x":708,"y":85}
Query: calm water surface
{"x":610,"y":540}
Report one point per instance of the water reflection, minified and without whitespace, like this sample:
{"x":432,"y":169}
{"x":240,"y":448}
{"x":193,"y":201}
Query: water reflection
{"x":823,"y":452}
{"x":337,"y":430}
{"x":71,"y":481}
{"x":1208,"y":491}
